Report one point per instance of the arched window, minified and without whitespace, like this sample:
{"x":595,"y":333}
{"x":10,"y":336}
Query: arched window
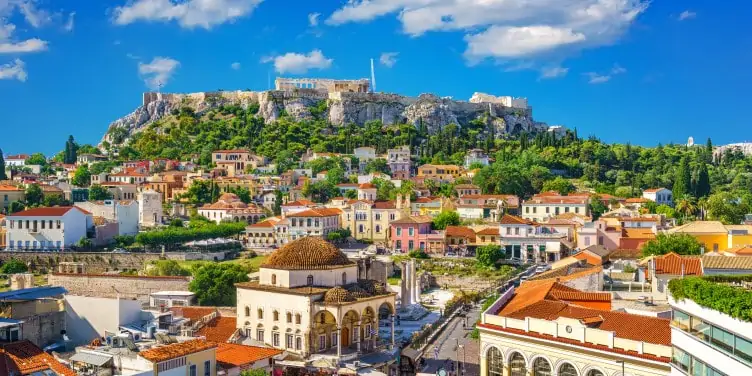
{"x":247,"y":311}
{"x":260,"y":313}
{"x":567,"y":369}
{"x":344,"y":278}
{"x":595,"y":372}
{"x":541,"y":367}
{"x":289,"y":317}
{"x":297,"y":318}
{"x":274,"y":279}
{"x":495,"y":362}
{"x":275,"y":315}
{"x":310,"y":280}
{"x":517,"y":365}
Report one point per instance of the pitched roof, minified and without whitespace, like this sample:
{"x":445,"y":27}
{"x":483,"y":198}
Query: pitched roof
{"x":509,"y":219}
{"x":230,"y":355}
{"x":413,"y":219}
{"x":219,"y":329}
{"x":9,"y":188}
{"x":55,"y":211}
{"x":653,"y":190}
{"x":460,"y":231}
{"x":551,"y":300}
{"x":384,"y":204}
{"x":26,"y":358}
{"x":698,"y":227}
{"x":300,"y":203}
{"x":488,"y":231}
{"x":598,"y":250}
{"x":316,"y":212}
{"x":636,"y":200}
{"x":176,"y":350}
{"x":674,"y":264}
{"x":549,"y":198}
{"x":193,"y":313}
{"x":725,"y":262}
{"x":744,"y":250}
{"x":631,"y":254}
{"x":567,"y":273}
{"x":366,"y":186}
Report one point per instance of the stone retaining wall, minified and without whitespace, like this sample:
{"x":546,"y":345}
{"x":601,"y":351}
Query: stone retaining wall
{"x":113,"y":286}
{"x":96,"y":262}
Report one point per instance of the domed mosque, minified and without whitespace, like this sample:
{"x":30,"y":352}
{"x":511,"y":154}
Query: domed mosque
{"x":309,"y":302}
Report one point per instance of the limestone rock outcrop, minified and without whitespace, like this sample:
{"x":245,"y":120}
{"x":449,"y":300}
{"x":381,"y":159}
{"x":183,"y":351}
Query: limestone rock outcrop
{"x":432,"y":111}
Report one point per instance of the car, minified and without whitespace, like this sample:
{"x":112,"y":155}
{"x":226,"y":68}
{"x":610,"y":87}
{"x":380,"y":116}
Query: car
{"x":119,"y":250}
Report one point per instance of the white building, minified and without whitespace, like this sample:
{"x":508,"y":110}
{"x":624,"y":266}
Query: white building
{"x":150,"y":211}
{"x":507,"y":101}
{"x":531,"y":242}
{"x":293,"y":207}
{"x":48,"y":228}
{"x":169,"y":299}
{"x":708,"y":342}
{"x":474,"y":156}
{"x":124,"y":212}
{"x":314,"y":222}
{"x":229,"y":207}
{"x":16,"y":160}
{"x":660,"y":196}
{"x":309,"y":302}
{"x":545,"y":205}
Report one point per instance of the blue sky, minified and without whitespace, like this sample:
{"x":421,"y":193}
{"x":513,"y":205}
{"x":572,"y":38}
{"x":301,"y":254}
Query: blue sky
{"x":624,"y":70}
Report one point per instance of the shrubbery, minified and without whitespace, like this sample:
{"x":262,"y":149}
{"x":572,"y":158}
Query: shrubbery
{"x":173,"y":236}
{"x":713,"y":293}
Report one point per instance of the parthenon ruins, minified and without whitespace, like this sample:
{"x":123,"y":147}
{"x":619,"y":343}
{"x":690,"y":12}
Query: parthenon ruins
{"x":356,"y":86}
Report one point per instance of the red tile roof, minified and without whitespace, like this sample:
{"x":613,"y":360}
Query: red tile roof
{"x":176,"y":350}
{"x":674,"y":264}
{"x":489,"y":231}
{"x":412,"y":220}
{"x":230,"y":355}
{"x":300,"y":203}
{"x":636,"y":200}
{"x":460,"y":231}
{"x":509,"y":219}
{"x":9,"y":188}
{"x":25,"y":358}
{"x":366,"y":186}
{"x":384,"y":205}
{"x":316,"y":212}
{"x":193,"y":313}
{"x":219,"y":330}
{"x":56,"y":211}
{"x":550,"y":300}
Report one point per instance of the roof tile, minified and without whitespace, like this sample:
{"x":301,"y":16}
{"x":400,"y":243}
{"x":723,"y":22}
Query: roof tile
{"x":175,"y":350}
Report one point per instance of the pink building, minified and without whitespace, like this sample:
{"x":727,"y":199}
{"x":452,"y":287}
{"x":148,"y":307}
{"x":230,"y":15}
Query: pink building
{"x":415,"y":232}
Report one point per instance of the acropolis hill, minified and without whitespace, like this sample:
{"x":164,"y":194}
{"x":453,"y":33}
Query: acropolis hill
{"x":348,"y":101}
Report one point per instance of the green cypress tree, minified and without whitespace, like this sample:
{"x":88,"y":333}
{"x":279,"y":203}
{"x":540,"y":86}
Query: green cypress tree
{"x":2,"y":166}
{"x":682,"y":179}
{"x":702,"y":188}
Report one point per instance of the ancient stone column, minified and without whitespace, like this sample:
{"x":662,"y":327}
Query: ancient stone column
{"x":357,"y":336}
{"x":392,"y":317}
{"x":339,"y":342}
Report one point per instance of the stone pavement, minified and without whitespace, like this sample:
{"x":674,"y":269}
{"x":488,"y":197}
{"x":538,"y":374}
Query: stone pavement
{"x":448,"y":353}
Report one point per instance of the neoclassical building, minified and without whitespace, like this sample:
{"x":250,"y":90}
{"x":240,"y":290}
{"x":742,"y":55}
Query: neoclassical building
{"x":309,"y":302}
{"x":544,"y":328}
{"x":230,"y":207}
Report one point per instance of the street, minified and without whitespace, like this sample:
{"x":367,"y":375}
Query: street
{"x":449,"y":354}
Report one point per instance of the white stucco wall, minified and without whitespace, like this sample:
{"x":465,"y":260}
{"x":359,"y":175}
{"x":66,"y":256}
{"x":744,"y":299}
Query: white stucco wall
{"x":88,"y":317}
{"x":72,"y":229}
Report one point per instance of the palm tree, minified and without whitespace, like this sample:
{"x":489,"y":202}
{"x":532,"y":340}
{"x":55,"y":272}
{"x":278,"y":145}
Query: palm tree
{"x":686,"y":206}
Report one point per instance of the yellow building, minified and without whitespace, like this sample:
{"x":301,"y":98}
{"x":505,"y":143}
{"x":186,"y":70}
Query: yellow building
{"x":368,"y":219}
{"x":547,"y":328}
{"x":8,"y":194}
{"x":439,"y":172}
{"x":715,"y":236}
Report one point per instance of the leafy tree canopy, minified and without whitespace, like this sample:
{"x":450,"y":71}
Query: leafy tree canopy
{"x":98,"y":192}
{"x":488,"y":255}
{"x":13,"y":266}
{"x":683,"y":244}
{"x":446,"y":218}
{"x":214,"y":283}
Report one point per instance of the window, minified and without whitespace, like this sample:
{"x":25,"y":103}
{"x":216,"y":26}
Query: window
{"x":309,"y":280}
{"x":297,"y":318}
{"x":322,"y":342}
{"x":42,"y":222}
{"x":377,"y":216}
{"x":535,"y":209}
{"x":260,"y":313}
{"x":517,"y":365}
{"x":548,"y":209}
{"x":378,"y":229}
{"x":207,"y":368}
{"x":587,"y":241}
{"x":289,"y":317}
{"x":509,"y":231}
{"x":391,"y":216}
{"x":567,"y":369}
{"x":367,"y":331}
{"x":192,"y":370}
{"x":344,"y":278}
{"x":566,"y":209}
{"x":298,"y":343}
{"x":527,"y":209}
{"x":577,"y":210}
{"x":289,"y":341}
{"x":723,"y":339}
{"x":58,"y":225}
{"x":260,"y":335}
{"x":275,"y":315}
{"x":247,"y":311}
{"x":516,"y":230}
{"x":410,"y":244}
{"x":334,"y":339}
{"x":275,"y":339}
{"x":600,"y":240}
{"x":495,"y":362}
{"x":274,"y":279}
{"x":730,"y":343}
{"x":399,"y":231}
{"x":743,"y":349}
{"x":398,"y":244}
{"x":541,"y":367}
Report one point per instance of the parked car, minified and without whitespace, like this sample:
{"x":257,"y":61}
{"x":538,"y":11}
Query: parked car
{"x":119,"y":250}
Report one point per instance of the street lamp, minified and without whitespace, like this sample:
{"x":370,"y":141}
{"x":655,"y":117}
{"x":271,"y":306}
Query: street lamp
{"x":622,"y":366}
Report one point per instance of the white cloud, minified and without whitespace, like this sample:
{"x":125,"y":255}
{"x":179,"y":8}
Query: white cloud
{"x":506,"y":29}
{"x":595,"y":78}
{"x":599,"y":78}
{"x":553,"y":72}
{"x":235,"y":65}
{"x":69,"y":25}
{"x":388,"y":59}
{"x":687,"y":15}
{"x":296,"y":63}
{"x":187,"y":13}
{"x":158,"y":72}
{"x":13,"y":71}
{"x":313,"y":19}
{"x":34,"y":16}
{"x":27,"y":46}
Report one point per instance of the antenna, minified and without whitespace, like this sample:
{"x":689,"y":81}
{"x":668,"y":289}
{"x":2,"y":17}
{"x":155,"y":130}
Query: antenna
{"x":159,"y":86}
{"x":373,"y":78}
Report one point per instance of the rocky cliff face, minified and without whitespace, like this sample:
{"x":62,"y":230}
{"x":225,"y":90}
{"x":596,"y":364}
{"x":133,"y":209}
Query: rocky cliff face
{"x":343,"y":108}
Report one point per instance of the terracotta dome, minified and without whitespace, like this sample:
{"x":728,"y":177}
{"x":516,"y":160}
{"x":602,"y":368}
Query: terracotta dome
{"x":371,"y":286}
{"x":338,"y":295}
{"x":229,"y":197}
{"x":239,"y":205}
{"x":357,"y":292}
{"x":308,"y":253}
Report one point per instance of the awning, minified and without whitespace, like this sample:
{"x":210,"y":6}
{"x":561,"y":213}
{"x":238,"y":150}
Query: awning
{"x":89,"y":358}
{"x":370,"y":372}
